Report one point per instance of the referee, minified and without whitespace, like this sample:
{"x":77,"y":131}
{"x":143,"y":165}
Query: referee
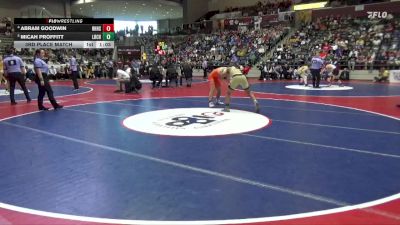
{"x":14,"y":71}
{"x":41,"y":70}
{"x":74,"y":72}
{"x":316,"y":65}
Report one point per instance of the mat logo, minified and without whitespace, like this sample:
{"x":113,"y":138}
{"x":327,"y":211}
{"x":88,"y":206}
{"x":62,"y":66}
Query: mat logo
{"x":195,"y":122}
{"x":4,"y":92}
{"x":203,"y":118}
{"x":380,"y":15}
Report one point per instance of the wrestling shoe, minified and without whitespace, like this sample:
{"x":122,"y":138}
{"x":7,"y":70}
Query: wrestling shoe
{"x":218,"y":102}
{"x":257,"y":108}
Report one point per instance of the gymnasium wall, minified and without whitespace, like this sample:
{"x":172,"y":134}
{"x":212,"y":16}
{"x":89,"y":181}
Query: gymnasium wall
{"x":18,"y":8}
{"x":168,"y":25}
{"x":193,"y":10}
{"x":223,"y":4}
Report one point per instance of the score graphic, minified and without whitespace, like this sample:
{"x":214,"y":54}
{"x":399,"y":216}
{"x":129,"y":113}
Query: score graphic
{"x":108,"y":32}
{"x":64,"y":33}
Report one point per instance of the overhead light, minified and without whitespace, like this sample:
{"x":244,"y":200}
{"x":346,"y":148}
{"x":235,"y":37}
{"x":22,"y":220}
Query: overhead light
{"x":91,"y":5}
{"x":84,"y":1}
{"x":315,"y":5}
{"x":144,"y":4}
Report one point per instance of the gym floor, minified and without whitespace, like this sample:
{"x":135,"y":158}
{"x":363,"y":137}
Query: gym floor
{"x":163,"y":157}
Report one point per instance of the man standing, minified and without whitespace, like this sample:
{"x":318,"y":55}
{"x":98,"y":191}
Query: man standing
{"x":316,"y":65}
{"x":204,"y":66}
{"x":14,"y":71}
{"x":74,"y":72}
{"x":187,"y":71}
{"x":236,"y":79}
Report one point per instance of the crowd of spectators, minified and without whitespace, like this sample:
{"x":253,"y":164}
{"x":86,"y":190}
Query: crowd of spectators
{"x":6,"y":27}
{"x":346,"y":42}
{"x":218,"y":48}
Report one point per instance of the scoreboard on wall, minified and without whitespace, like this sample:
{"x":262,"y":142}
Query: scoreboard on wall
{"x":64,"y":33}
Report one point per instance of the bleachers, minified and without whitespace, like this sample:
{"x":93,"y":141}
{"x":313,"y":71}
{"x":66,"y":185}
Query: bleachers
{"x":368,"y":44}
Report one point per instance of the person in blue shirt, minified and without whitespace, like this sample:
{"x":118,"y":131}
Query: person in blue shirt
{"x":14,"y":71}
{"x":41,"y":70}
{"x":316,"y":65}
{"x":74,"y":71}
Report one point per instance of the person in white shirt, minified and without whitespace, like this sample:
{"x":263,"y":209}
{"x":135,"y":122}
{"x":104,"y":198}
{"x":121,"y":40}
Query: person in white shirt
{"x":52,"y":73}
{"x":123,"y":76}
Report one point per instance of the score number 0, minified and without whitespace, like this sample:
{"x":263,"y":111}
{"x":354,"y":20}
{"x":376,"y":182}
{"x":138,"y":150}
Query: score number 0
{"x":108,"y":27}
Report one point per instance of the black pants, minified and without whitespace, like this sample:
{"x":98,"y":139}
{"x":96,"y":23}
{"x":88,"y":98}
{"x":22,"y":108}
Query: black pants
{"x":170,"y":80}
{"x":110,"y":73}
{"x":188,"y":81}
{"x":17,"y":77}
{"x":46,"y":88}
{"x":74,"y":76}
{"x":316,"y":77}
{"x":205,"y":73}
{"x":158,"y":82}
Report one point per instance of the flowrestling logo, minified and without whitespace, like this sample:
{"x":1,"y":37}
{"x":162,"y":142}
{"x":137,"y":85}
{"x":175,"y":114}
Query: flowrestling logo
{"x":195,"y":122}
{"x":380,"y":15}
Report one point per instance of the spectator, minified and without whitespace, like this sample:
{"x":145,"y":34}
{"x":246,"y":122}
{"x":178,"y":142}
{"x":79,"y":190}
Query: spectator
{"x":345,"y":74}
{"x":52,"y":73}
{"x":382,"y":76}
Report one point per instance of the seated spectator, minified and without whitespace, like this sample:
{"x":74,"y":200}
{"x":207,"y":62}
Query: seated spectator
{"x":30,"y":75}
{"x":60,"y":73}
{"x":382,"y":76}
{"x":246,"y":69}
{"x":345,"y":74}
{"x":97,"y":72}
{"x":123,"y":76}
{"x":52,"y":73}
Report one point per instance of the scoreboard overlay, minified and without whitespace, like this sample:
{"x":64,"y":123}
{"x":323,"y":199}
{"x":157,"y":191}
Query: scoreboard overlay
{"x":64,"y":33}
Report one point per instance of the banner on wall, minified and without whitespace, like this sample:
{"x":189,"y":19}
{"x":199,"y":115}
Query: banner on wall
{"x":257,"y":22}
{"x":233,"y":24}
{"x":394,"y":76}
{"x":267,"y":19}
